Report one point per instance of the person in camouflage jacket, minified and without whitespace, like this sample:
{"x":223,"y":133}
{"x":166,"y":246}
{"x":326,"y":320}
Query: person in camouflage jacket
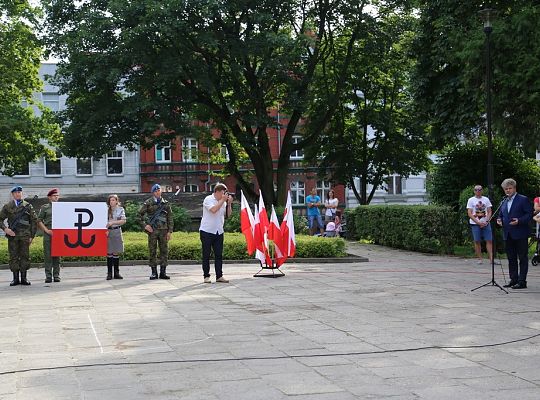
{"x":20,"y":231}
{"x":156,"y":218}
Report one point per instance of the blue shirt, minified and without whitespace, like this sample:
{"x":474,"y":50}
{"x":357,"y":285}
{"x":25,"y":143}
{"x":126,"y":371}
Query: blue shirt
{"x":313,"y":210}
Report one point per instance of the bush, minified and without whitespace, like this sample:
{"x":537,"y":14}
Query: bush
{"x":431,"y":229}
{"x":187,"y":246}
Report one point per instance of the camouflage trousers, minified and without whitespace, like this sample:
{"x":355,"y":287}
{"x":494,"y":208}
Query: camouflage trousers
{"x":159,"y":236}
{"x":19,"y":253}
{"x":51,"y":264}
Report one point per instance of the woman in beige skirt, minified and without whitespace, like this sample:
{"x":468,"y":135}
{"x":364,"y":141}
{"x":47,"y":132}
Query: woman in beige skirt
{"x":115,"y":242}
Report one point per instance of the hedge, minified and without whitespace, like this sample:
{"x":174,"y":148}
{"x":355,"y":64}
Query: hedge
{"x":187,"y":246}
{"x":430,"y":229}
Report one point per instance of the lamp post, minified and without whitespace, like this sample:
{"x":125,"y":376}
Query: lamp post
{"x":488,"y":15}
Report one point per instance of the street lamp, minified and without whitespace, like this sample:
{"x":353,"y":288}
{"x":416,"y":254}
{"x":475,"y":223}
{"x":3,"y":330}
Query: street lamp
{"x":488,"y":15}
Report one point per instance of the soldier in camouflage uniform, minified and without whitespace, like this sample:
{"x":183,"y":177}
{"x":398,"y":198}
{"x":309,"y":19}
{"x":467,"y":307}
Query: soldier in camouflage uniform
{"x":50,"y":264}
{"x":22,"y":225}
{"x":156,"y":218}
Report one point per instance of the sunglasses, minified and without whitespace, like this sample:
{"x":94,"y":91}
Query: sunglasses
{"x":478,"y":190}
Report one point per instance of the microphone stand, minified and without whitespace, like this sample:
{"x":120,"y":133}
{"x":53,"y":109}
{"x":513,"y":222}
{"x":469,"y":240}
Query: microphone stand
{"x":492,"y":282}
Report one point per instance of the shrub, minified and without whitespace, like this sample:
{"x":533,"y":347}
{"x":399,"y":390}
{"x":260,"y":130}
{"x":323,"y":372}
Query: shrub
{"x":181,"y":218}
{"x":431,"y":229}
{"x":187,"y":246}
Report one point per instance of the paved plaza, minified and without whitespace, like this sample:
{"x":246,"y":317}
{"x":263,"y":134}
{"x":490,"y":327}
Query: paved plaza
{"x":402,"y":326}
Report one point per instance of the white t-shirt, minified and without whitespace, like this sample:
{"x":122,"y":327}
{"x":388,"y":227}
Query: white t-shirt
{"x":330,"y":212}
{"x":212,"y":222}
{"x":479,"y":206}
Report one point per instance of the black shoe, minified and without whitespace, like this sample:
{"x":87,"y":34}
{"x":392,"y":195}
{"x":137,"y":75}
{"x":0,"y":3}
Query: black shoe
{"x":24,"y":281}
{"x":520,"y":285}
{"x":109,"y":268}
{"x":15,"y":280}
{"x":511,"y":283}
{"x":48,"y":280}
{"x":154,"y":273}
{"x":163,"y":273}
{"x":57,"y":279}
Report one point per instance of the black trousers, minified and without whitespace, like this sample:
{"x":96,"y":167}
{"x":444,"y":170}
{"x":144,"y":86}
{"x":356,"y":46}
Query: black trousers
{"x":517,"y":249}
{"x":212,"y":241}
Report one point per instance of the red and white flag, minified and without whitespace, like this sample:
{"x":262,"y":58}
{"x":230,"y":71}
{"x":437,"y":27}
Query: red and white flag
{"x":261,"y":241}
{"x":287,"y":232}
{"x":274,"y":234}
{"x":247,"y":224}
{"x":79,"y":229}
{"x":263,"y":215}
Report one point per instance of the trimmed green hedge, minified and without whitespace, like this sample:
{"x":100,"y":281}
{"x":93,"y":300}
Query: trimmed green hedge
{"x":187,"y":246}
{"x":430,"y":229}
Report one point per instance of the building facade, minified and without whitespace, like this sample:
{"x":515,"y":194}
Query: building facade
{"x":116,"y":172}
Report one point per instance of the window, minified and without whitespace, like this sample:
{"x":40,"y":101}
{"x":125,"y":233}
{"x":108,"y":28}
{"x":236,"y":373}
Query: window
{"x":297,"y":154}
{"x":23,"y":171}
{"x":225,"y":152}
{"x":54,"y":167}
{"x":297,"y":192}
{"x":51,"y":100}
{"x":189,"y":149}
{"x":191,"y":188}
{"x":394,"y":184}
{"x":84,"y":166}
{"x":323,"y":187}
{"x":163,"y":153}
{"x":115,"y":162}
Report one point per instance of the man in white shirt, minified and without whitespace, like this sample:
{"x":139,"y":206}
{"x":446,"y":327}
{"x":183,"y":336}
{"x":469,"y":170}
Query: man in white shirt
{"x":216,"y":207}
{"x":479,"y":212}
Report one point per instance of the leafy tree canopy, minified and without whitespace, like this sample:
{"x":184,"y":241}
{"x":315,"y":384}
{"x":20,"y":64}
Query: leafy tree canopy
{"x":134,"y":67}
{"x":450,"y":76}
{"x":21,"y":132}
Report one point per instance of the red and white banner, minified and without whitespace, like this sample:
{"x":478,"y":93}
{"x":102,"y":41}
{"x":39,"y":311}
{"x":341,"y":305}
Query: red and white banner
{"x":247,"y":224}
{"x":79,"y":229}
{"x":288,"y":236}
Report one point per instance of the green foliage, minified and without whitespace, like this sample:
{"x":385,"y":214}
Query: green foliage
{"x":430,"y":229}
{"x":464,"y":164}
{"x":22,"y":134}
{"x":450,"y":74}
{"x":181,"y":218}
{"x":232,"y":224}
{"x":187,"y":246}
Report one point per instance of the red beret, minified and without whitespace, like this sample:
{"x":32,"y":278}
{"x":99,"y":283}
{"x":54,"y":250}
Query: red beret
{"x":52,"y":192}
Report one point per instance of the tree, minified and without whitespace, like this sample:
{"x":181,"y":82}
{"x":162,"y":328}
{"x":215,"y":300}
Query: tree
{"x":450,"y":85}
{"x":464,"y":164}
{"x":375,"y":132}
{"x":134,"y":67}
{"x":21,"y":132}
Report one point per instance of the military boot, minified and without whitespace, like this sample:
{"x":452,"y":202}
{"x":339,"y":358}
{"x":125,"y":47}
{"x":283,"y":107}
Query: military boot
{"x":24,"y":281}
{"x":163,"y":273}
{"x":15,"y":280}
{"x":109,"y":268}
{"x":116,"y":264}
{"x":154,"y":273}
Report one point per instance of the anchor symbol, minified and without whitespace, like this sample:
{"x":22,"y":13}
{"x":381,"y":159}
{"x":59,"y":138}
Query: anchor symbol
{"x":79,"y":225}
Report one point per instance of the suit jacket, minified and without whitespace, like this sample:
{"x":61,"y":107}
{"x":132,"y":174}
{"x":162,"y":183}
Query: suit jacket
{"x":522,"y":210}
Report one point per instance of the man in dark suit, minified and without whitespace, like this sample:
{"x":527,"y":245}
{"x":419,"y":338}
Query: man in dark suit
{"x":515,"y":214}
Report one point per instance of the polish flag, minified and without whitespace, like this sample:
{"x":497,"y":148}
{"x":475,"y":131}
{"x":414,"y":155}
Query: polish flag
{"x":287,"y":232}
{"x":274,"y":234}
{"x":247,"y":224}
{"x":79,"y":229}
{"x":261,"y":241}
{"x":263,"y":215}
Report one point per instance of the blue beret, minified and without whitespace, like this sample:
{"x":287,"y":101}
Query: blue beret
{"x":155,"y":187}
{"x":16,"y":189}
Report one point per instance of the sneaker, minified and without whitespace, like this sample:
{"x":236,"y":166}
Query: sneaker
{"x":57,"y":279}
{"x":207,"y":280}
{"x":222,"y":280}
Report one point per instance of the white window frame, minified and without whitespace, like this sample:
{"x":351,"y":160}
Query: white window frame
{"x":224,"y":151}
{"x":297,"y":154}
{"x":113,"y":155}
{"x":191,"y":186}
{"x":323,"y":187}
{"x":51,"y":98}
{"x":58,"y":160}
{"x":392,"y":181}
{"x":163,"y":153}
{"x":298,"y":192}
{"x":189,"y":149}
{"x":77,"y":166}
{"x":24,"y":175}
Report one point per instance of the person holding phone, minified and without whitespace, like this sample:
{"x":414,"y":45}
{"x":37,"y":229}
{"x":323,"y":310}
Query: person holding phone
{"x":515,"y":214}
